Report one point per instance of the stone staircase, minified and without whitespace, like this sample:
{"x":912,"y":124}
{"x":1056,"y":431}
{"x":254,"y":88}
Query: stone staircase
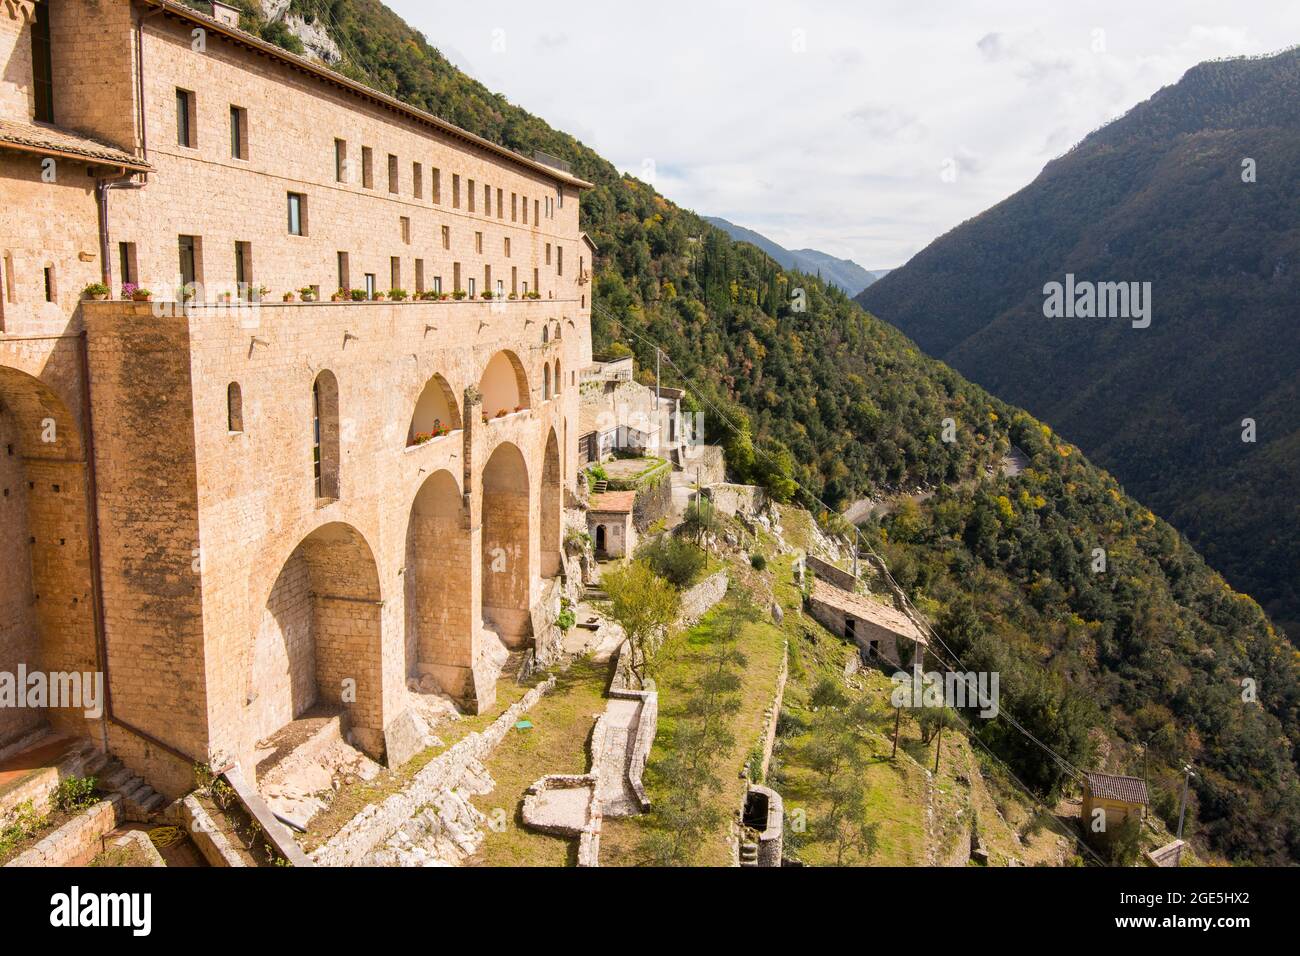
{"x":111,"y":775}
{"x":748,"y":853}
{"x":599,"y":487}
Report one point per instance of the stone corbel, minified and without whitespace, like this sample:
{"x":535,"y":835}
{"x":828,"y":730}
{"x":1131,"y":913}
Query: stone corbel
{"x":24,"y":10}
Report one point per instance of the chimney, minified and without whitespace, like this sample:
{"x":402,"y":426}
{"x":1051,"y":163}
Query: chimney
{"x":225,"y":13}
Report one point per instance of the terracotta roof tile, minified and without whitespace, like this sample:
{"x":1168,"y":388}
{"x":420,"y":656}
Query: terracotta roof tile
{"x":1114,"y":787}
{"x":866,"y":609}
{"x":619,"y":502}
{"x":50,"y":140}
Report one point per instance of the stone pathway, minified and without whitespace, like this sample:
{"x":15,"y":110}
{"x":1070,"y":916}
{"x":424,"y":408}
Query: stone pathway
{"x":615,"y":794}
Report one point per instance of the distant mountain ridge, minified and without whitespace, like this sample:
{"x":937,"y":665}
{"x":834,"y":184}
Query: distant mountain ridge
{"x":842,"y":273}
{"x":1195,"y":192}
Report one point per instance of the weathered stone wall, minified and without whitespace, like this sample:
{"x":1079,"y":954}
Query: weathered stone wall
{"x":731,"y":499}
{"x":78,"y":841}
{"x":699,"y":598}
{"x":844,"y":580}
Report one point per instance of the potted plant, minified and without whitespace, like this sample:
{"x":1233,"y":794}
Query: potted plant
{"x":458,"y":294}
{"x":513,"y":296}
{"x":96,"y":290}
{"x":340,"y":295}
{"x":128,"y":289}
{"x":503,"y":413}
{"x":307,"y":294}
{"x":141,"y":295}
{"x":357,"y":295}
{"x":421,"y":438}
{"x":224,"y":298}
{"x":379,"y":296}
{"x":287,"y":297}
{"x":397,"y":295}
{"x":487,"y":293}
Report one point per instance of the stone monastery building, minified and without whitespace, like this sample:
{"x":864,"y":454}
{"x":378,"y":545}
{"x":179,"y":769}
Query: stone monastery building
{"x":238,"y":508}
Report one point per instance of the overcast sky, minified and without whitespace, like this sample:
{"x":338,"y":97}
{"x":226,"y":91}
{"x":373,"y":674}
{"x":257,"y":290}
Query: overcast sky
{"x":864,"y":129}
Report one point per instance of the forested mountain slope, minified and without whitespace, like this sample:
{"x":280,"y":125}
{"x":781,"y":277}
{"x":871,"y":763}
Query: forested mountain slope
{"x":833,"y":403}
{"x":1162,"y":195}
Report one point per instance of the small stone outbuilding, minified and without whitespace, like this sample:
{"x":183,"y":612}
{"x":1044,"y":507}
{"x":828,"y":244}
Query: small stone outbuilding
{"x":609,"y":522}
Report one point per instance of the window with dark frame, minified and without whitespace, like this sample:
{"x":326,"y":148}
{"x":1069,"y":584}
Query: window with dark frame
{"x":42,"y":64}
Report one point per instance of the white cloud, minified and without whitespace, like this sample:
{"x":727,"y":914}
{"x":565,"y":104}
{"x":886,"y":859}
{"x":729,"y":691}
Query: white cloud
{"x":829,"y":125}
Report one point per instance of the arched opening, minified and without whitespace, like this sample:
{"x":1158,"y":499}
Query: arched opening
{"x":551,"y":504}
{"x":504,"y":385}
{"x":559,"y":382}
{"x":234,"y":408}
{"x":436,"y":413}
{"x":546,"y":333}
{"x":507,"y":577}
{"x":325,"y":434}
{"x":318,"y":645}
{"x":46,"y":606}
{"x":546,"y":383}
{"x":600,"y":539}
{"x":439,"y":619}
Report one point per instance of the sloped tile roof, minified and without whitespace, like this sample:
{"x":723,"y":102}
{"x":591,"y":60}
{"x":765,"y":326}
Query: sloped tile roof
{"x":1114,"y":787}
{"x":49,"y":140}
{"x":618,"y":502}
{"x":866,"y":609}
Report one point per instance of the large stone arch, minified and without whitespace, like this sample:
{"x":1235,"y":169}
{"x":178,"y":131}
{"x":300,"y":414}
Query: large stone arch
{"x":551,"y":508}
{"x":436,"y":406}
{"x":438,"y":588}
{"x":318,"y":645}
{"x":503,"y":384}
{"x":47,"y":620}
{"x":506,"y":534}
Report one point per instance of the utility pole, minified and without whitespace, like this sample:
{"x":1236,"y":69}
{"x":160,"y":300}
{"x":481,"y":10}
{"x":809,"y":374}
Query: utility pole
{"x":657,"y":378}
{"x":1182,"y":805}
{"x":938,"y":743}
{"x":898,"y":716}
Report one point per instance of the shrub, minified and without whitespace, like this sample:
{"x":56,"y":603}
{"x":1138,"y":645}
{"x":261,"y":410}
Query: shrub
{"x":74,"y":793}
{"x":357,"y":295}
{"x":675,"y":559}
{"x":95,"y":289}
{"x":757,"y":562}
{"x":397,"y":295}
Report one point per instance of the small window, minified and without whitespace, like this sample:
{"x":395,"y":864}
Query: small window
{"x":500,"y":203}
{"x":455,"y":190}
{"x":419,"y":276}
{"x":478,"y":242}
{"x":394,"y":184}
{"x":537,"y":216}
{"x":417,"y":181}
{"x":395,"y":272}
{"x":367,"y":167}
{"x":470,"y":193}
{"x":243,"y":268}
{"x":370,"y":285}
{"x":185,"y":132}
{"x":9,"y":278}
{"x":525,"y":210}
{"x":455,"y":276}
{"x":190,"y":260}
{"x":297,"y":214}
{"x":126,"y":261}
{"x":51,"y":289}
{"x":446,"y":237}
{"x":473,"y":289}
{"x":514,"y":207}
{"x":345,"y":280}
{"x":559,"y":260}
{"x":435,"y":184}
{"x":42,"y":64}
{"x":546,"y":383}
{"x":507,"y":246}
{"x":501,"y":292}
{"x":238,"y":133}
{"x":437,"y":284}
{"x":487,"y":200}
{"x":340,"y":161}
{"x":514,"y":280}
{"x":234,"y":408}
{"x":548,"y":253}
{"x":406,"y":229}
{"x":559,"y":196}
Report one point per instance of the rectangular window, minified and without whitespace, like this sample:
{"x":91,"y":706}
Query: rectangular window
{"x":478,"y":242}
{"x":185,"y":133}
{"x":126,"y":261}
{"x":419,"y":276}
{"x":507,"y":244}
{"x":394,"y":185}
{"x":525,"y":210}
{"x":417,"y":180}
{"x":243,"y":267}
{"x":472,"y":288}
{"x":469,"y":192}
{"x":340,"y":161}
{"x":297,"y":214}
{"x":395,"y":272}
{"x":42,"y":65}
{"x":514,"y":280}
{"x":345,"y":278}
{"x":548,"y":253}
{"x":370,"y":285}
{"x":189,"y":259}
{"x":501,"y":292}
{"x":435,"y":185}
{"x":49,"y":284}
{"x":514,"y":207}
{"x":367,"y":167}
{"x":455,"y":190}
{"x":238,"y":133}
{"x":406,"y":229}
{"x":537,"y":215}
{"x":446,"y":237}
{"x":559,"y":196}
{"x":455,"y":276}
{"x":537,"y":280}
{"x":500,"y":203}
{"x":437,"y":284}
{"x":487,"y":200}
{"x":487,"y":278}
{"x":559,"y":260}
